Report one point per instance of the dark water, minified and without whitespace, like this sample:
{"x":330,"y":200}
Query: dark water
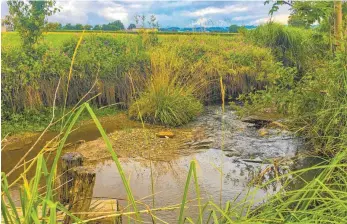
{"x":14,"y":149}
{"x":226,"y":142}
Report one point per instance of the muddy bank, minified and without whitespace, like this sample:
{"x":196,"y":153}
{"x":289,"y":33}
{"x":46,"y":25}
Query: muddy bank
{"x":14,"y":147}
{"x":212,"y":130}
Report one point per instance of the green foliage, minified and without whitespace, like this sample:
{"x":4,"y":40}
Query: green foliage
{"x":52,"y":27}
{"x":315,"y":103}
{"x":112,"y":26}
{"x":110,"y":58}
{"x":234,"y":28}
{"x":29,"y":19}
{"x":167,"y":105}
{"x":116,"y":25}
{"x":38,"y":119}
{"x":29,"y":80}
{"x":131,"y":26}
{"x":105,"y":56}
{"x":167,"y":99}
{"x":292,"y":45}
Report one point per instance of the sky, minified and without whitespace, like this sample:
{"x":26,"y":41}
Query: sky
{"x":168,"y":13}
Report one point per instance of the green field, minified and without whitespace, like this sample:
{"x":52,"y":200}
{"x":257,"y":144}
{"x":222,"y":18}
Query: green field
{"x":56,"y":39}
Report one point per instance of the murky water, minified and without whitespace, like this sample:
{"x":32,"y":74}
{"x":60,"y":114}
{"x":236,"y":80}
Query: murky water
{"x":213,"y":139}
{"x":169,"y":179}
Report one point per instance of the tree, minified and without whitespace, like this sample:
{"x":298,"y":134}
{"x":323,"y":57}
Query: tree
{"x":131,"y":26}
{"x":97,"y":27}
{"x":68,"y":26}
{"x":29,"y":19}
{"x":116,"y":25}
{"x":297,"y":21}
{"x":88,"y":27}
{"x":52,"y":27}
{"x":329,"y":15}
{"x":79,"y":26}
{"x":153,"y":23}
{"x":233,"y":29}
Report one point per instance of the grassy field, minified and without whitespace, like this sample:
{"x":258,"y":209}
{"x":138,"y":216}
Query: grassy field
{"x":56,"y":39}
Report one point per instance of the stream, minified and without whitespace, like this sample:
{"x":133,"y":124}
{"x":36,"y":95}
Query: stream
{"x":214,"y":140}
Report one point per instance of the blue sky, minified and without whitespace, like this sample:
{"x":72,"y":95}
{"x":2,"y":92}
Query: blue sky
{"x":168,"y":13}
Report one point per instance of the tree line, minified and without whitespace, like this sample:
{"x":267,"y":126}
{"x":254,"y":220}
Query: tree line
{"x":112,"y":26}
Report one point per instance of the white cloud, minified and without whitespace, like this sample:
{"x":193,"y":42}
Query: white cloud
{"x":200,"y":22}
{"x":280,"y":18}
{"x":243,"y":18}
{"x":114,"y":12}
{"x":215,"y":10}
{"x":72,"y":12}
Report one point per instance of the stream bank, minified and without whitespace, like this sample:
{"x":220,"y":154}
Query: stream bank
{"x":213,"y":139}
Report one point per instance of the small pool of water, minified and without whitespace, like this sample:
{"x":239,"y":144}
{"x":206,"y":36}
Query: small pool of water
{"x":169,"y":180}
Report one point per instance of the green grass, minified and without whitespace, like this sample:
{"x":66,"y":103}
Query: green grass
{"x":37,"y":120}
{"x":168,"y":97}
{"x":56,"y":39}
{"x":53,"y":39}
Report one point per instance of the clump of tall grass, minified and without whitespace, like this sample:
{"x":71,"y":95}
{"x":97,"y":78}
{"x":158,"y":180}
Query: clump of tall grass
{"x":292,"y":45}
{"x":320,"y":200}
{"x":169,"y":97}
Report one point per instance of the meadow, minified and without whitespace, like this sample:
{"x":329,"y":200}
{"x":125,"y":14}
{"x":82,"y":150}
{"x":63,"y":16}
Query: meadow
{"x":167,"y":80}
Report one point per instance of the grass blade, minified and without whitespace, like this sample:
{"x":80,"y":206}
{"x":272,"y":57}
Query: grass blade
{"x":57,"y":157}
{"x":8,"y":195}
{"x":114,"y":157}
{"x":186,"y":188}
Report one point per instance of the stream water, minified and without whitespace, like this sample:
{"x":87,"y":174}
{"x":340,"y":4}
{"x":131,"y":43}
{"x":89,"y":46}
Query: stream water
{"x":214,"y":140}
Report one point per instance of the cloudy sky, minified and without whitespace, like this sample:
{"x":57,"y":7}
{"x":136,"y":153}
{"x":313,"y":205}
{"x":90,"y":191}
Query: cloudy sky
{"x":168,"y":13}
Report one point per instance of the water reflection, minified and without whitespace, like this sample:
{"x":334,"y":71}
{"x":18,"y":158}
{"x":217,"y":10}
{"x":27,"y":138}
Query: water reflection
{"x":169,"y":179}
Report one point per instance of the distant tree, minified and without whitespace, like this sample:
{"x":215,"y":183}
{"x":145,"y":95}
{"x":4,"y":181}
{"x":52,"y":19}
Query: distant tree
{"x":68,"y":26}
{"x":79,"y":26}
{"x":233,"y":29}
{"x":153,"y":23}
{"x":52,"y":27}
{"x":116,"y":25}
{"x":97,"y":27}
{"x":143,"y":19}
{"x":29,"y":18}
{"x":131,"y":26}
{"x":88,"y":27}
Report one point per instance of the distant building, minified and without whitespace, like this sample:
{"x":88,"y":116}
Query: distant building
{"x":144,"y":29}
